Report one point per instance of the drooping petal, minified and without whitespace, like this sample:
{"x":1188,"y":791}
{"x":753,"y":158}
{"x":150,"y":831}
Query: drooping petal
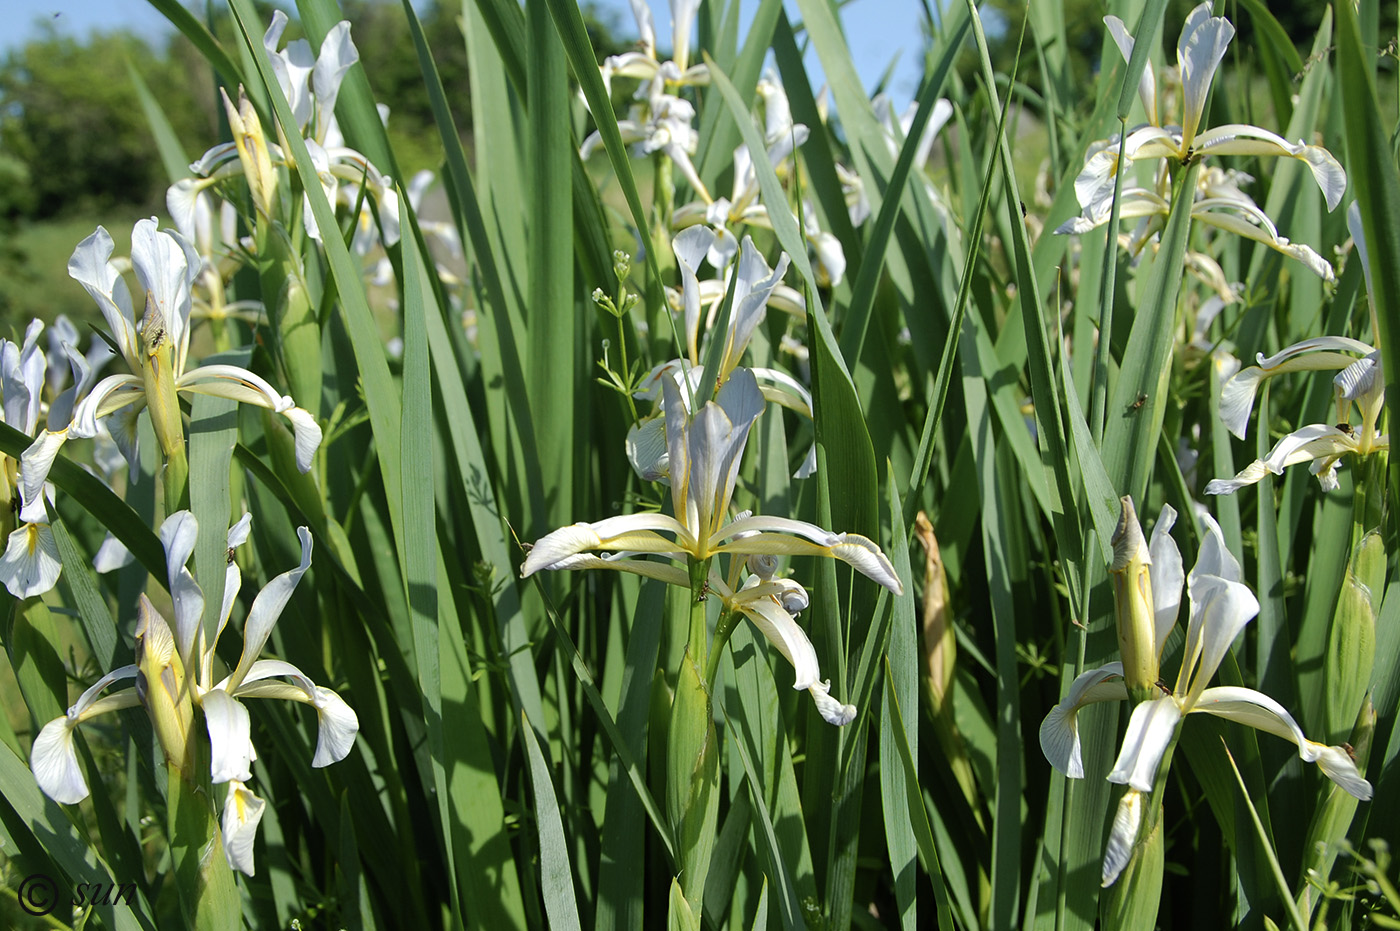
{"x":53,"y":758}
{"x":634,"y":532}
{"x":1126,"y":824}
{"x":1150,"y":730}
{"x":784,"y":633}
{"x":1313,"y":442}
{"x":1059,"y":732}
{"x":231,"y":751}
{"x":1319,"y":353}
{"x":30,"y":565}
{"x":54,"y":761}
{"x":34,"y":465}
{"x":1263,"y":713}
{"x":308,"y":436}
{"x":242,"y":812}
{"x":1243,"y":139}
{"x":107,"y":396}
{"x":338,"y":726}
{"x":1267,"y":234}
{"x":862,"y":553}
{"x":625,"y":562}
{"x":267,"y":608}
{"x":336,"y":720}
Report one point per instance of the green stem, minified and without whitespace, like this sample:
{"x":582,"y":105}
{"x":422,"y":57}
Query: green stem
{"x":699,"y":591}
{"x":723,"y":629}
{"x":175,"y":480}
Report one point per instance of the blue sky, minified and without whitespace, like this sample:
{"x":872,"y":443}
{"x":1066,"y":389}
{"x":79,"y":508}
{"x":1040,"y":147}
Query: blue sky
{"x":876,"y":29}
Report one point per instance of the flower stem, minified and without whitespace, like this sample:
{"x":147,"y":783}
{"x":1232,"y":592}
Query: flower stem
{"x":723,"y":629}
{"x":699,"y":591}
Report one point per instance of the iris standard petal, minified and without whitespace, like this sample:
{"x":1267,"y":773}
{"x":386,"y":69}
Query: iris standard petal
{"x":1147,"y":84}
{"x":267,"y":608}
{"x":754,"y":282}
{"x":1220,"y":609}
{"x":1202,"y":45}
{"x":178,"y":534}
{"x":646,"y":449}
{"x":690,"y":246}
{"x":92,"y":268}
{"x":166,"y":265}
{"x":338,"y":54}
{"x":1168,"y":575}
{"x":716,"y":439}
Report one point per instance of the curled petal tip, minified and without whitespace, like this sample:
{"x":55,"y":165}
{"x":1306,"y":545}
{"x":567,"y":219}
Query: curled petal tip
{"x":831,"y":710}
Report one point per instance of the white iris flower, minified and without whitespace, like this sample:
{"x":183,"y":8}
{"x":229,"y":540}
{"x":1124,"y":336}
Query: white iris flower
{"x":311,"y":86}
{"x":1221,"y":605}
{"x":166,"y":265}
{"x":660,"y":121}
{"x":1360,"y":382}
{"x":1204,"y":39}
{"x":54,"y":759}
{"x":30,"y":565}
{"x":704,"y":453}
